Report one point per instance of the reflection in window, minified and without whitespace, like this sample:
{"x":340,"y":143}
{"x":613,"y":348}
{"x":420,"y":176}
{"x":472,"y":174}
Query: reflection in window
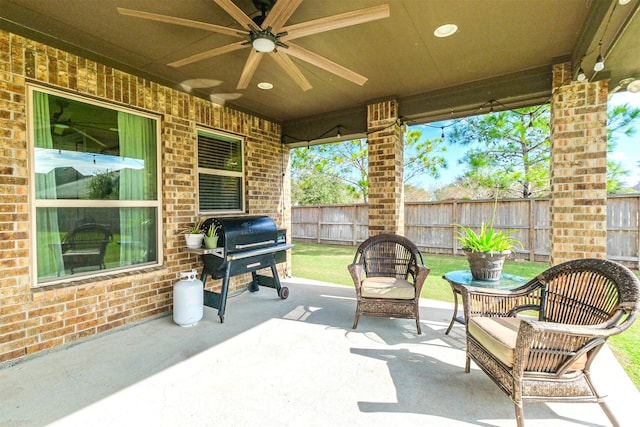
{"x":95,"y":187}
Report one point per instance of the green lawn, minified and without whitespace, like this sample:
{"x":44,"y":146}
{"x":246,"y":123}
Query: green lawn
{"x":329,"y":263}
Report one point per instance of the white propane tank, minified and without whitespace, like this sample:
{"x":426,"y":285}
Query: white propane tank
{"x":188,"y":300}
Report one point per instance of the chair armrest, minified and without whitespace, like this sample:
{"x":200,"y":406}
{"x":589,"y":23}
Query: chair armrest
{"x":557,"y":348}
{"x":357,"y":272}
{"x":420,"y":277}
{"x":595,"y":331}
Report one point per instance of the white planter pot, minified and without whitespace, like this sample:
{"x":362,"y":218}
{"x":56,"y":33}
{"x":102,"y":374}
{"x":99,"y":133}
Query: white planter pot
{"x":194,"y":241}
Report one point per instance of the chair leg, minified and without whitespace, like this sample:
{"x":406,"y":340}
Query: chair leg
{"x":467,"y":365}
{"x":519,"y":415}
{"x":355,"y":321}
{"x":417,"y":312}
{"x":610,"y":415}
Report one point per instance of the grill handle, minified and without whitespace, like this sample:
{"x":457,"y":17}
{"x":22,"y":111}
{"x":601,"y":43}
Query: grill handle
{"x":251,"y":245}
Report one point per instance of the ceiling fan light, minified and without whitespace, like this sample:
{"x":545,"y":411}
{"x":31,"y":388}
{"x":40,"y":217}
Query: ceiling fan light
{"x":264,"y":44}
{"x":445,"y":30}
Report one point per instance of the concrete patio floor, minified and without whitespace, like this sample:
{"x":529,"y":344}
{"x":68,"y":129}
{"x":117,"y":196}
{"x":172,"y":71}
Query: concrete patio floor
{"x":274,"y":362}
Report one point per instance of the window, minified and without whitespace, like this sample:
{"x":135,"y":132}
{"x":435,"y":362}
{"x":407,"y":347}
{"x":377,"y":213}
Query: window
{"x":96,"y":187}
{"x":220,"y":172}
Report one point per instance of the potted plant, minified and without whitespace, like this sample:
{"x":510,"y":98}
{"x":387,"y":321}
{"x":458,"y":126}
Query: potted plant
{"x":486,"y":250}
{"x":194,"y":235}
{"x":211,"y":237}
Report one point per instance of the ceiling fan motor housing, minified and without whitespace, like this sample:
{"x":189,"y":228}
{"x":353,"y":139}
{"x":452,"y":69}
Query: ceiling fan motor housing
{"x":263,"y":6}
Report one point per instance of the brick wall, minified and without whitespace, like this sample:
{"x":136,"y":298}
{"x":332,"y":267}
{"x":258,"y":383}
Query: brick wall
{"x":386,"y":169}
{"x":35,"y":319}
{"x":578,"y":168}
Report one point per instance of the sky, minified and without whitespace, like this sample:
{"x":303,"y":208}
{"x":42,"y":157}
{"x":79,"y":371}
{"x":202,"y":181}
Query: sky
{"x":627,"y":149}
{"x":86,"y":163}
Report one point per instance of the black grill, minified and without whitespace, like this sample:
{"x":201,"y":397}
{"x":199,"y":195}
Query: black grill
{"x":246,"y":244}
{"x":243,"y":233}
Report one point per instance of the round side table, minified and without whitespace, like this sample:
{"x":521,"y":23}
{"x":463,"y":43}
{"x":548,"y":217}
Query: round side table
{"x":460,"y":278}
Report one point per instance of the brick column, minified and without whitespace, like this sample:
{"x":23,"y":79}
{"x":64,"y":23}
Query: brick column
{"x":386,"y":169}
{"x":578,"y":168}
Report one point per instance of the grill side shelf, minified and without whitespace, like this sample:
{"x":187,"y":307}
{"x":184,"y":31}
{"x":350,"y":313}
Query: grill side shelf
{"x":219,"y":252}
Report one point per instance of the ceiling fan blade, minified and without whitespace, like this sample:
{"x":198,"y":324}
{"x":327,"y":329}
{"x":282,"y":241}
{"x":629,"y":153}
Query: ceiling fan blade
{"x":249,"y":68}
{"x":336,"y":21}
{"x":292,"y":70}
{"x":179,"y":21}
{"x":208,"y":54}
{"x":325,"y":64}
{"x":236,"y":13}
{"x":83,"y":133}
{"x":281,"y":12}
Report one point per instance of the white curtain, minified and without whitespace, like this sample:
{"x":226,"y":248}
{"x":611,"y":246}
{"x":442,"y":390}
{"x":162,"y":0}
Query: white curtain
{"x":48,"y":233}
{"x":137,"y":139}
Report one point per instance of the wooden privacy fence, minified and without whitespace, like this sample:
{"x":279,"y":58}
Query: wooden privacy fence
{"x":432,"y":225}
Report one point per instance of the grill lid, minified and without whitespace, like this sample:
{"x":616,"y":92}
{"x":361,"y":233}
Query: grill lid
{"x":243,"y":233}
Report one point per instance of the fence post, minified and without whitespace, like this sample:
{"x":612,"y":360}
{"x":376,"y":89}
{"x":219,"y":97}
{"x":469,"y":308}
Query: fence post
{"x":532,"y":231}
{"x":318,"y":226}
{"x":354,"y":225}
{"x":454,"y":228}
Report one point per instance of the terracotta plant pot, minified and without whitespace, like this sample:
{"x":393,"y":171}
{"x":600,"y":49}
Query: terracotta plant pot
{"x":486,"y":265}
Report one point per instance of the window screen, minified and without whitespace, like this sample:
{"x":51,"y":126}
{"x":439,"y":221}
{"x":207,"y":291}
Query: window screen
{"x":220,"y":172}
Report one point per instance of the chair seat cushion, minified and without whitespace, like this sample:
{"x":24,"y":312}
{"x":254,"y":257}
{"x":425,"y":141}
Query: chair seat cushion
{"x":498,"y":335}
{"x":387,"y":287}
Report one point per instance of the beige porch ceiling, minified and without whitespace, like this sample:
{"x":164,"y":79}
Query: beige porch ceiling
{"x":503,"y":50}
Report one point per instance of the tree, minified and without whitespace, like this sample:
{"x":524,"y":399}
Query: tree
{"x":345,"y":162}
{"x":104,"y":186}
{"x":315,"y":188}
{"x":348,"y":162}
{"x":509,"y":151}
{"x":422,"y":156}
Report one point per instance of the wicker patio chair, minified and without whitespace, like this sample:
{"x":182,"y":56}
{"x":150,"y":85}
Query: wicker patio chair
{"x":85,"y":246}
{"x":546,"y":356}
{"x":388,"y":273}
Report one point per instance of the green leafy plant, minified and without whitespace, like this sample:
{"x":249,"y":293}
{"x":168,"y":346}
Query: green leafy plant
{"x":211,"y":231}
{"x":194,"y":229}
{"x":487,"y":239}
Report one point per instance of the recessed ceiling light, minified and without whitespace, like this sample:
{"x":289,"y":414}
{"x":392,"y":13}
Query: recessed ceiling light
{"x":445,"y":30}
{"x":265,"y":85}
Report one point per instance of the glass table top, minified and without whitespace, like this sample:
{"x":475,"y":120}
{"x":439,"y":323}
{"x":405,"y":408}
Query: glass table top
{"x":463,"y":277}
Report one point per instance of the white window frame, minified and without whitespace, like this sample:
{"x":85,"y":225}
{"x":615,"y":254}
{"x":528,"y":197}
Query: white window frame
{"x":221,"y":172}
{"x":62,"y":203}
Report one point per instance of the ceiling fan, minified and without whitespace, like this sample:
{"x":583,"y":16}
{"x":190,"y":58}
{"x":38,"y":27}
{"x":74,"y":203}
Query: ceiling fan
{"x":61,"y":121}
{"x":268,"y":32}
